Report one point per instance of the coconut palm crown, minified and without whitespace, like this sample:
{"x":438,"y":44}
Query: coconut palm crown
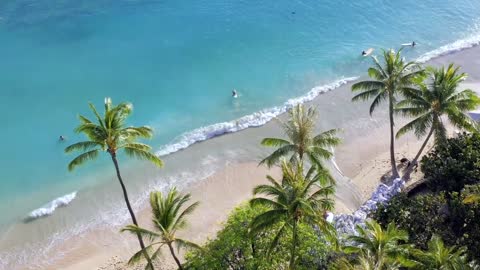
{"x":110,"y":133}
{"x":381,"y":248}
{"x":388,"y":80}
{"x":297,"y":198}
{"x":301,"y":142}
{"x":436,"y":98}
{"x":439,"y":256}
{"x":169,"y":216}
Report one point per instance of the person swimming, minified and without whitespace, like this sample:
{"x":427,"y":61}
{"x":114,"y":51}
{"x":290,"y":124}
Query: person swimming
{"x":234,"y":93}
{"x":62,"y":138}
{"x":364,"y":53}
{"x":413,"y":43}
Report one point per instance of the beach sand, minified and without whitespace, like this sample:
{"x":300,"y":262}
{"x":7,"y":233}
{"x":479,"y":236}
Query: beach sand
{"x":362,"y":159}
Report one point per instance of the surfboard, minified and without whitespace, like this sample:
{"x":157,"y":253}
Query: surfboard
{"x":407,"y":44}
{"x":368,"y":52}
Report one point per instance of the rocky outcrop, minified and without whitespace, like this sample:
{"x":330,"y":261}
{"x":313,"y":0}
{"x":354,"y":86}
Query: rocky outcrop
{"x":345,"y":223}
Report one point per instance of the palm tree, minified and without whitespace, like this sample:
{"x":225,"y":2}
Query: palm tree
{"x":438,"y":256}
{"x":298,"y":198}
{"x":363,"y":261}
{"x":388,"y":81}
{"x":379,"y":247}
{"x":110,"y":134}
{"x":438,"y":97}
{"x":167,"y":219}
{"x":301,"y":142}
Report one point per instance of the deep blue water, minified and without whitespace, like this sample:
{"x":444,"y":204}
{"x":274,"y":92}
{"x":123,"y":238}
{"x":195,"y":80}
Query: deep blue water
{"x":177,"y":62}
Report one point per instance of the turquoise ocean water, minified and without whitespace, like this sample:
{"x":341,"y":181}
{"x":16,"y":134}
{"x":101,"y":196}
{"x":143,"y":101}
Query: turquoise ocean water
{"x":177,"y":62}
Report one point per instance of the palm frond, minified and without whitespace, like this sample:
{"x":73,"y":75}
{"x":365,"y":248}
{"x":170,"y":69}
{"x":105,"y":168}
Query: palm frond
{"x":274,"y":142}
{"x":138,"y":230}
{"x":82,"y":146}
{"x":82,"y":158}
{"x":134,"y":151}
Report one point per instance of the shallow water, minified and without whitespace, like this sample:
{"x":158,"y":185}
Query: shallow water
{"x":177,"y":62}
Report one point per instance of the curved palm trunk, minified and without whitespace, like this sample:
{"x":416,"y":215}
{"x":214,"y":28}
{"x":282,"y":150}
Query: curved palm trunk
{"x":294,"y":246}
{"x":392,"y":139}
{"x":174,"y":256}
{"x":414,"y":162}
{"x":130,"y":210}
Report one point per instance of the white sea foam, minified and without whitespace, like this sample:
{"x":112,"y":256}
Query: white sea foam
{"x":456,"y":46}
{"x":252,"y":120}
{"x":50,"y":207}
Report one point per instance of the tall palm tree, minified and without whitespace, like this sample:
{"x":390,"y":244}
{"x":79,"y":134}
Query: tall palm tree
{"x":438,"y":97}
{"x":298,"y":198}
{"x":167,"y":219}
{"x":301,"y":141}
{"x":440,"y":257}
{"x":378,"y":246}
{"x":387,"y":82}
{"x":110,"y":134}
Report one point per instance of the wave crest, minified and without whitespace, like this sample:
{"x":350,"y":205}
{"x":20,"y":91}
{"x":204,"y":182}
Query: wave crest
{"x":50,"y":207}
{"x":456,"y":46}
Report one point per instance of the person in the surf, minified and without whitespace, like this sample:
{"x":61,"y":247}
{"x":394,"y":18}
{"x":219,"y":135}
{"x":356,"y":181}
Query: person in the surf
{"x":234,"y":93}
{"x":61,"y":138}
{"x":413,"y":43}
{"x":364,"y":53}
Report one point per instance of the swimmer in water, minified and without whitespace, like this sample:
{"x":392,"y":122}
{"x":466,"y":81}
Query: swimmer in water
{"x":364,"y":53}
{"x":234,"y":93}
{"x":62,"y":138}
{"x":413,"y":43}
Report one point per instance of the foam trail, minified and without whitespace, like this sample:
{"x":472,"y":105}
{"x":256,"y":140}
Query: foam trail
{"x":50,"y":207}
{"x":252,"y":120}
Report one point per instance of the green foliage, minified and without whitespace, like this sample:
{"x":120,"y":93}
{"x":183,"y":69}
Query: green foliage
{"x":375,"y":248}
{"x":110,"y":133}
{"x":169,"y":215}
{"x":234,"y":248}
{"x":453,"y":164}
{"x":301,"y":142}
{"x":438,"y":256}
{"x":423,"y":216}
{"x":438,"y":97}
{"x":296,"y":199}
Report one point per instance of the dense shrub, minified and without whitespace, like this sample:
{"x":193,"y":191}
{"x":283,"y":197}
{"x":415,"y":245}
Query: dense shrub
{"x":453,"y":164}
{"x":234,"y":249}
{"x":421,"y":216}
{"x":449,"y":217}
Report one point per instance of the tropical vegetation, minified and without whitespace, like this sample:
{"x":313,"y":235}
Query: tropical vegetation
{"x":294,"y":200}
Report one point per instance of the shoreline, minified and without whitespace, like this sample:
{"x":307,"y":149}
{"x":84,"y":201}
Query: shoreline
{"x":365,"y":169}
{"x":352,"y":164}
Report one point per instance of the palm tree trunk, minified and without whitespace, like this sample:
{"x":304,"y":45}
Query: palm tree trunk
{"x":174,"y":256}
{"x":294,"y":246}
{"x":414,"y":162}
{"x":392,"y":139}
{"x":130,"y":210}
